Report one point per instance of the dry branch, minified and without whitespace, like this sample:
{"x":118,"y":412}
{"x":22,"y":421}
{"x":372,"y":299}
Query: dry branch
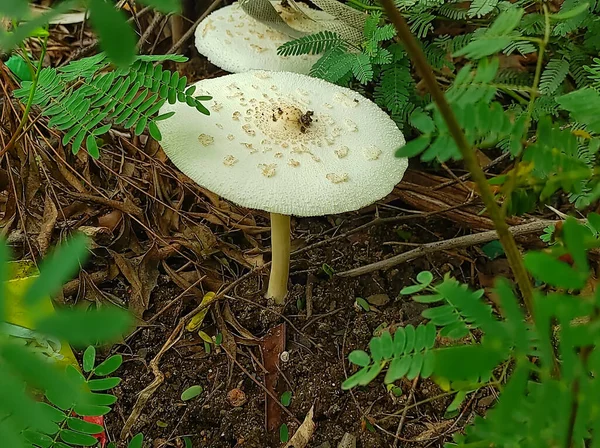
{"x":453,"y":243}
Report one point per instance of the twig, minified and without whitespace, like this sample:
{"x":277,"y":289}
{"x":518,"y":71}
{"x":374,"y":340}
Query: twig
{"x":376,"y":221}
{"x":506,"y":238}
{"x":145,"y":395}
{"x":310,"y":281}
{"x":125,"y":207}
{"x":453,"y":243}
{"x":405,"y":412}
{"x":189,"y":32}
{"x":155,"y":21}
{"x":466,"y":176}
{"x":82,"y":52}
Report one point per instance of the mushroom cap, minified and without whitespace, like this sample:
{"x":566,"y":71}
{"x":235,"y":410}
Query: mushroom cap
{"x":236,"y":42}
{"x":286,"y":143}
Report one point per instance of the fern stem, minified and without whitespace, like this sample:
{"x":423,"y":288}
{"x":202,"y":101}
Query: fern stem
{"x":32,"y":89}
{"x":508,"y":242}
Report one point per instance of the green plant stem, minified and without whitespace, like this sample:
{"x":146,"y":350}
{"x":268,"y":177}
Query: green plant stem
{"x":32,"y":90}
{"x":534,"y":94}
{"x":508,"y":242}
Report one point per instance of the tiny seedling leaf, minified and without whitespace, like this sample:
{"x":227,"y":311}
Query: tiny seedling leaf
{"x":191,"y":392}
{"x":286,"y":398}
{"x":284,"y":433}
{"x":363,"y":304}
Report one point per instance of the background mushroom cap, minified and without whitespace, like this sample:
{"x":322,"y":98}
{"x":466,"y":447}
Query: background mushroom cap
{"x":235,"y":42}
{"x":262,"y":148}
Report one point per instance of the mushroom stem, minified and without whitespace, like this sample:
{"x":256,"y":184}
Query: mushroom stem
{"x":280,"y":257}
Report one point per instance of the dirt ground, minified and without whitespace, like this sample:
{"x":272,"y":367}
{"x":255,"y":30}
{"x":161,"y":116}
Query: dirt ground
{"x":317,"y":346}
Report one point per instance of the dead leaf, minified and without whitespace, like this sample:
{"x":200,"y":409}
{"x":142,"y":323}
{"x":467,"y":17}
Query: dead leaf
{"x":228,"y":342}
{"x":47,"y":225}
{"x":306,"y":430}
{"x":247,"y":260}
{"x":231,"y":320}
{"x":434,"y":430}
{"x":101,"y":236}
{"x":348,"y":441}
{"x":111,"y":220}
{"x":200,"y":239}
{"x":142,"y":275}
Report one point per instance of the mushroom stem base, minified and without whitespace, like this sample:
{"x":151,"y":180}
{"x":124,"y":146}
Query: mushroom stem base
{"x":280,"y":257}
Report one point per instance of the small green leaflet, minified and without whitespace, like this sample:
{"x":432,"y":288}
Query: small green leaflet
{"x":493,"y":249}
{"x":191,"y":392}
{"x":284,"y":433}
{"x":286,"y":398}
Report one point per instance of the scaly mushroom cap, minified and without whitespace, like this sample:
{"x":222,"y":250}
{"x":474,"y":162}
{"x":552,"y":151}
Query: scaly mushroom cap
{"x":286,"y":143}
{"x":235,"y":42}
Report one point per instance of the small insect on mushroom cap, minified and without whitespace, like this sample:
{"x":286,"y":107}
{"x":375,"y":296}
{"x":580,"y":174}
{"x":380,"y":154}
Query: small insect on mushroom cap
{"x":305,"y":148}
{"x":236,"y":42}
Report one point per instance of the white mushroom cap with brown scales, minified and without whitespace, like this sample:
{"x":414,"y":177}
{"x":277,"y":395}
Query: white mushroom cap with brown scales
{"x":288,"y":144}
{"x":236,"y":42}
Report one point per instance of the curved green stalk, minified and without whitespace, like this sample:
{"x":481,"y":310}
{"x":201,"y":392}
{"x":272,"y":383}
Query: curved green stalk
{"x":506,"y":238}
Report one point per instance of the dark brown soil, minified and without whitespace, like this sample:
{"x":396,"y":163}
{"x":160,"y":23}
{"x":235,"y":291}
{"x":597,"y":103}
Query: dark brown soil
{"x":317,"y":347}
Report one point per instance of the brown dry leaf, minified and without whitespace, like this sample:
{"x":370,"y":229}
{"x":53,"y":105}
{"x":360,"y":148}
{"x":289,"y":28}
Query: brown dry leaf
{"x":200,"y":239}
{"x":47,"y":225}
{"x":111,"y":220}
{"x":231,"y":320}
{"x":100,"y":236}
{"x":247,"y":260}
{"x":31,"y":174}
{"x":184,"y":279}
{"x":306,"y":430}
{"x":434,"y":430}
{"x":228,"y":340}
{"x":142,"y":275}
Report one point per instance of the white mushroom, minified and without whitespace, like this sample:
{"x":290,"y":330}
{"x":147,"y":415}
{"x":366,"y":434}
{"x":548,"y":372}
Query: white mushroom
{"x":285,"y":166}
{"x":235,"y":42}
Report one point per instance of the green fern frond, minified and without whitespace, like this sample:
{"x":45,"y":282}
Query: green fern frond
{"x":593,"y":71}
{"x":334,"y":65}
{"x":362,"y":68}
{"x":520,"y":46}
{"x":421,"y":23}
{"x":394,"y":89}
{"x":312,"y":44}
{"x":553,"y":75}
{"x":454,"y":12}
{"x":82,"y":100}
{"x":471,"y":86}
{"x":480,"y":8}
{"x":453,"y":44}
{"x":437,"y":56}
{"x":495,"y":38}
{"x":565,"y":27}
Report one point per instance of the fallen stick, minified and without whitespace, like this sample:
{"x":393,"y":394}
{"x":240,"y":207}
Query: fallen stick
{"x":461,"y":241}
